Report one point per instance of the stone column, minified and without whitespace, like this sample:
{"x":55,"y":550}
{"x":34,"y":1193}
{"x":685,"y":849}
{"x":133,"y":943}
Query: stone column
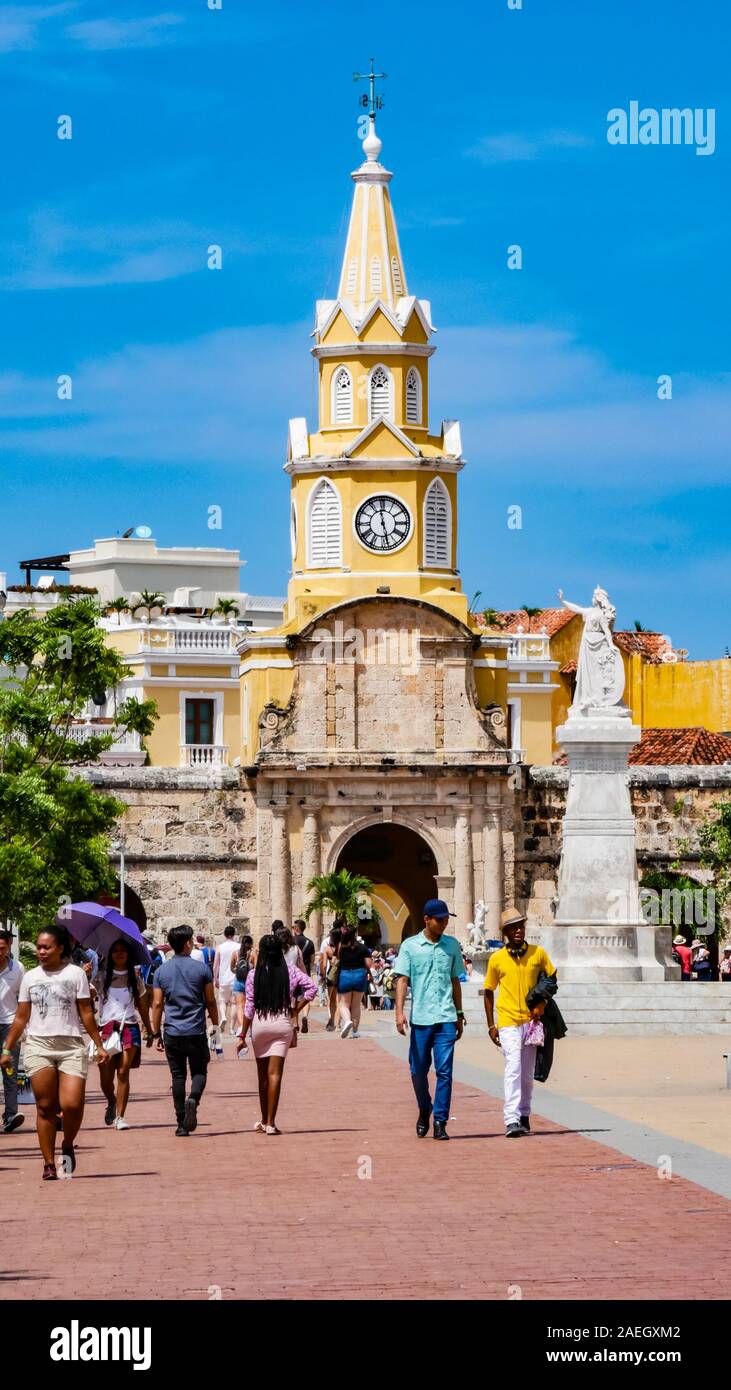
{"x":493,"y":878}
{"x":311,"y":864}
{"x":463,"y":873}
{"x":281,"y":867}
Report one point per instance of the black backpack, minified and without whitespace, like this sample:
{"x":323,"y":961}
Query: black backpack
{"x":242,"y":968}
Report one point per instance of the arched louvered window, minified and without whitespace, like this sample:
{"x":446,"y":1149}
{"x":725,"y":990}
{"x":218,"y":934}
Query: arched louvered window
{"x":352,"y":276}
{"x":413,"y":397}
{"x":324,"y":530}
{"x":342,"y":397}
{"x":376,"y":277}
{"x":398,"y":283}
{"x":379,"y":393}
{"x":437,"y":525}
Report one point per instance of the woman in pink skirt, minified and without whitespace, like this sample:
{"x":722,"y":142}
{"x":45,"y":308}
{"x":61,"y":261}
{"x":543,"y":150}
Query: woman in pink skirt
{"x":275,"y":993}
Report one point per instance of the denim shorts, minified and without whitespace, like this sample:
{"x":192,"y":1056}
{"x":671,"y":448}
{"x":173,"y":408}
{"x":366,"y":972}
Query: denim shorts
{"x":352,"y":981}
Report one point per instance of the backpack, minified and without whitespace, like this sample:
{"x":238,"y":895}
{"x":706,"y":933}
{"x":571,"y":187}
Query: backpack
{"x":242,"y":969}
{"x":389,"y":983}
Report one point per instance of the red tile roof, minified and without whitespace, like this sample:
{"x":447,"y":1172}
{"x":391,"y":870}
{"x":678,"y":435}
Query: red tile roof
{"x":655,"y":648}
{"x":698,"y":746}
{"x":550,"y":619}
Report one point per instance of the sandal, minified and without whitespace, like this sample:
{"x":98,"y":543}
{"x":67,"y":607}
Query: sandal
{"x":49,"y":1172}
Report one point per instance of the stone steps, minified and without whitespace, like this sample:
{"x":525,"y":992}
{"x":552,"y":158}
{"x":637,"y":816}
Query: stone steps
{"x":675,"y":1007}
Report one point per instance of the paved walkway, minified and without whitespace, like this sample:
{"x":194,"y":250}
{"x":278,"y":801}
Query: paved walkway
{"x":347,"y":1203}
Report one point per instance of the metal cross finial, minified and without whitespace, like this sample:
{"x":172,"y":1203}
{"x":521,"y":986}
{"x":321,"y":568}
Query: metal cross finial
{"x":376,"y":102}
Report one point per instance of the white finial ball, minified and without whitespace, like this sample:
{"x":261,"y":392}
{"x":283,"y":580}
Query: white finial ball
{"x":372,"y":146}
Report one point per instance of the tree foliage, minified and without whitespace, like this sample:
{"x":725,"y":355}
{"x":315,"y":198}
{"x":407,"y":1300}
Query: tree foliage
{"x":54,"y":827}
{"x":338,"y":893}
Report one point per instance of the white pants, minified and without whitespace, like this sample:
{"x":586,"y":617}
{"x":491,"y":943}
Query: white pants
{"x":520,"y":1065}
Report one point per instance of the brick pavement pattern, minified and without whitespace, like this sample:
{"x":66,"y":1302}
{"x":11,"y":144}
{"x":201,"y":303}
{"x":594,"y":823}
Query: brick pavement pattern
{"x":233,"y":1214}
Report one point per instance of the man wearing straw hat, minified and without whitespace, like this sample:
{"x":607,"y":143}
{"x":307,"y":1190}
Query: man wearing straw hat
{"x":514,"y":970}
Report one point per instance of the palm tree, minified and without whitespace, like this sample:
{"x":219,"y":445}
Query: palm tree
{"x":118,"y":606}
{"x":337,"y":893}
{"x":531,"y":613}
{"x":492,"y":617}
{"x":639,"y":627}
{"x":225,"y":608}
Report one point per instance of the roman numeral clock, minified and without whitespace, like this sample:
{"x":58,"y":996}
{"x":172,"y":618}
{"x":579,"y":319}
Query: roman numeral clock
{"x":382,"y":523}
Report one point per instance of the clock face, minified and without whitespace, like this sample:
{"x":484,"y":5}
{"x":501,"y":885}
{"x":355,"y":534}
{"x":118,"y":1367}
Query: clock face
{"x":382,"y":523}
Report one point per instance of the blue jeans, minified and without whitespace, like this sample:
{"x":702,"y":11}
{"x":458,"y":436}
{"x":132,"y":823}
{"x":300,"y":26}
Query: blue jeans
{"x":439,"y":1039}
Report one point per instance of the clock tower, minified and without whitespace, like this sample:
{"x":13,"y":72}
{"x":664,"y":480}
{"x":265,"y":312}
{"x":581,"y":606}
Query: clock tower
{"x":373,"y":489}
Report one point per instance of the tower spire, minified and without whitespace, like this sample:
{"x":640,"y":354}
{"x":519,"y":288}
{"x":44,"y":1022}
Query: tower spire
{"x":374,"y":102}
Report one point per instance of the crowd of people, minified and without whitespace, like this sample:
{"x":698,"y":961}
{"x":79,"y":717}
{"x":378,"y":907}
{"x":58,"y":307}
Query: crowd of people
{"x":74,"y":1008}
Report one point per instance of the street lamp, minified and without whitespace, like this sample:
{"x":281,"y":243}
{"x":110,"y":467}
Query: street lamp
{"x":118,"y":848}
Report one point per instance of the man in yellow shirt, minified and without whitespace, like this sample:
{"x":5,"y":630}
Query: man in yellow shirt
{"x":514,"y":971}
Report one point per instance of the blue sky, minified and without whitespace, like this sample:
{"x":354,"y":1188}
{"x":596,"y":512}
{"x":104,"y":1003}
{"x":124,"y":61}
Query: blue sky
{"x":238,"y":127}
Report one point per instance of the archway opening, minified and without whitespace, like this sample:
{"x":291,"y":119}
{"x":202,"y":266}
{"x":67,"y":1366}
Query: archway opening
{"x":403,"y":869}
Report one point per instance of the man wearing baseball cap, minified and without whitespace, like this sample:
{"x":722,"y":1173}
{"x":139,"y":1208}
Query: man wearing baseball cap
{"x":515,"y":970}
{"x":432,"y":963}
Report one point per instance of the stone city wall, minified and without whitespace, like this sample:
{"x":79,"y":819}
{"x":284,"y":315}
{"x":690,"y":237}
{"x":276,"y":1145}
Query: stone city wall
{"x":190,"y":845}
{"x":668,"y":802}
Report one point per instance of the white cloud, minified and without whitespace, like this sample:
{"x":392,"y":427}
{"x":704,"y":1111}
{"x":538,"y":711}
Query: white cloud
{"x":512,"y":147}
{"x":535,"y":404}
{"x":19,"y":24}
{"x":54,"y":250}
{"x":105,"y":34}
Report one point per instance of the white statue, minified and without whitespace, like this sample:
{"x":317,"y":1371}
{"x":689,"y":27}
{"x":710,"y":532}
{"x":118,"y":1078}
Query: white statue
{"x":600,"y":675}
{"x":476,"y":929}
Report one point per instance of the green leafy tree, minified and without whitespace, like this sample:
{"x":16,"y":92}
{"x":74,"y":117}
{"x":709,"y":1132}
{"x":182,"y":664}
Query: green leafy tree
{"x":54,"y":827}
{"x":337,"y":893}
{"x":714,"y":844}
{"x":531,"y":613}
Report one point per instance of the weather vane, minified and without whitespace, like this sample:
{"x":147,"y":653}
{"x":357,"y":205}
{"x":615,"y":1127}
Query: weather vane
{"x":376,"y":103}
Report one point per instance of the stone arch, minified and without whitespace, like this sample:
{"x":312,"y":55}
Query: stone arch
{"x":444,"y":867}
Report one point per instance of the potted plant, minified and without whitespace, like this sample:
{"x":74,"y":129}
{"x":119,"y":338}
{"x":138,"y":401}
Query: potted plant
{"x":118,"y":606}
{"x":225,"y":611}
{"x":148,"y":606}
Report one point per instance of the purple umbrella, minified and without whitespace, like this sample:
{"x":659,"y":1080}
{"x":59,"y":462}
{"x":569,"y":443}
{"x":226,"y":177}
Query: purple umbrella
{"x":99,"y":927}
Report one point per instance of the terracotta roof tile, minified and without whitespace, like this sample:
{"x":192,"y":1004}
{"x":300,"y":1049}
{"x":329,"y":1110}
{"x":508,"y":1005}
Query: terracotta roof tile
{"x":552,"y":619}
{"x":696,"y":746}
{"x":655,"y":647}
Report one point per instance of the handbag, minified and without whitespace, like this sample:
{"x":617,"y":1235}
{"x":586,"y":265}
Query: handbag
{"x":112,"y":1044}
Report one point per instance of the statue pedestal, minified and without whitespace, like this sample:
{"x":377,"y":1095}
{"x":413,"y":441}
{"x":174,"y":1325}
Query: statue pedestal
{"x":599,"y":931}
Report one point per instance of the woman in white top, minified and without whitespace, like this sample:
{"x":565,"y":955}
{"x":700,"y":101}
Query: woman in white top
{"x":54,"y":1002}
{"x":121,"y":993}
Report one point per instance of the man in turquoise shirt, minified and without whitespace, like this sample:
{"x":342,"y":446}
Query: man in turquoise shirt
{"x":432,"y":963}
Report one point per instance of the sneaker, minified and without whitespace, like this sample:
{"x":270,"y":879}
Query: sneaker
{"x":330,"y":1026}
{"x":13,"y":1123}
{"x":355,"y":1033}
{"x":110,"y":1112}
{"x":49,"y":1172}
{"x":514,"y":1131}
{"x":304,"y":1026}
{"x":68,"y":1157}
{"x":346,"y":1030}
{"x":191,"y":1114}
{"x":181,"y":1132}
{"x":120,"y":1123}
{"x":525,"y":1123}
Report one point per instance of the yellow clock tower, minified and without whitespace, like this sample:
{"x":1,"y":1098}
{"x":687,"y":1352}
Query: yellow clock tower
{"x":374,"y":492}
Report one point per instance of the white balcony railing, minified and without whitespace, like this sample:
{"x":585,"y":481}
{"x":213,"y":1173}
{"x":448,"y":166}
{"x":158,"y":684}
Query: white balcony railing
{"x":204,"y":755}
{"x":126,"y":751}
{"x":204,"y":639}
{"x":529,"y":646}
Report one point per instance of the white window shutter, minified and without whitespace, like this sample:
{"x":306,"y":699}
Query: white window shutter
{"x":342,"y":402}
{"x":398,"y":283}
{"x":437,"y":525}
{"x":376,"y":278}
{"x":413,"y":397}
{"x":352,"y":276}
{"x":325,"y":529}
{"x":380,"y":393}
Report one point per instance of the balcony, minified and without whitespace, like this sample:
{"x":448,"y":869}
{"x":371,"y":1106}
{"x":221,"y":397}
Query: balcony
{"x":204,"y":755}
{"x":529,"y":646}
{"x":126,"y":751}
{"x":188,"y":641}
